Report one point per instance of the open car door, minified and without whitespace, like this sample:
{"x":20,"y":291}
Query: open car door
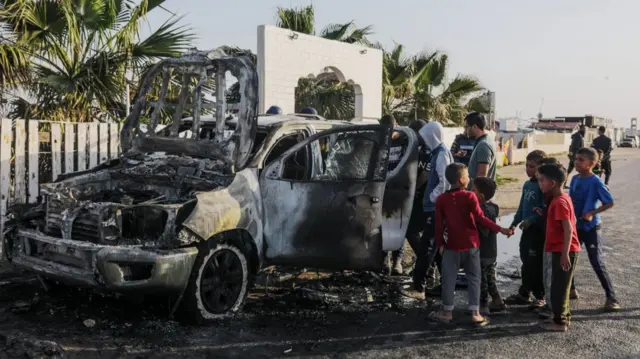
{"x":334,"y":219}
{"x":400,"y":192}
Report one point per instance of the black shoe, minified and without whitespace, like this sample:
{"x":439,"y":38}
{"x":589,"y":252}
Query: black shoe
{"x":518,"y":299}
{"x":434,"y":292}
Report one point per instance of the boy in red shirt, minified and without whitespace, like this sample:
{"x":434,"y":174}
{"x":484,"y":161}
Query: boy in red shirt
{"x":561,"y":241}
{"x":458,"y":211}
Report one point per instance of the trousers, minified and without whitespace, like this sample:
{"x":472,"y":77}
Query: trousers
{"x":451,"y":263}
{"x":560,"y":287}
{"x":488,"y":286}
{"x":531,"y":254}
{"x":592,"y":242}
{"x":424,"y":249}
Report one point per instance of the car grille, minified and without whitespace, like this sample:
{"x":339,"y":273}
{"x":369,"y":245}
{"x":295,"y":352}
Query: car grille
{"x":86,"y":226}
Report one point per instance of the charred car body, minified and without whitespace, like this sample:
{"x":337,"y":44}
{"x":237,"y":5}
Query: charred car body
{"x":197,"y":208}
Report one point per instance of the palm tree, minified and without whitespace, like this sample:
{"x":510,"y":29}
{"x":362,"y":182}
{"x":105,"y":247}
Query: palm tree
{"x":437,"y":99}
{"x":302,"y":19}
{"x":72,"y":57}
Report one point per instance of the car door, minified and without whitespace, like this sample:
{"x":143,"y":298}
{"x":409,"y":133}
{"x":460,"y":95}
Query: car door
{"x":332,"y":220}
{"x":399,"y":193}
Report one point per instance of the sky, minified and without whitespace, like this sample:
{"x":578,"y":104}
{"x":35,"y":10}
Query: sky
{"x":560,"y":57}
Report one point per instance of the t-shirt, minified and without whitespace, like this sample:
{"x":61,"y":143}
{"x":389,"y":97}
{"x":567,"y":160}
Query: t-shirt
{"x":489,"y":239}
{"x":560,"y":209}
{"x":483,"y":152}
{"x":458,"y":212}
{"x":396,"y":150}
{"x":587,"y":193}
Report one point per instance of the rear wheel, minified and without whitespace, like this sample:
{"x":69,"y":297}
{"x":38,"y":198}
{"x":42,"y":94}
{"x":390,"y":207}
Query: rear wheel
{"x":219,"y":282}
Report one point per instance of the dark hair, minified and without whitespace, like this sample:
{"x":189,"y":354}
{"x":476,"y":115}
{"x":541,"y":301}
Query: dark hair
{"x":476,"y":118}
{"x":417,"y":125}
{"x":536,"y":155}
{"x":486,"y":186}
{"x":454,"y":172}
{"x":590,"y":153}
{"x":602,"y":129}
{"x":554,"y":172}
{"x":388,"y":120}
{"x":582,"y":128}
{"x":549,"y":161}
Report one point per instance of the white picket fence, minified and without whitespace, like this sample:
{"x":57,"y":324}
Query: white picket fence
{"x":38,"y":151}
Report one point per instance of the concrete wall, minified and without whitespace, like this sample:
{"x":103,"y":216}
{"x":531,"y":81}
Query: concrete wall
{"x":285,"y":56}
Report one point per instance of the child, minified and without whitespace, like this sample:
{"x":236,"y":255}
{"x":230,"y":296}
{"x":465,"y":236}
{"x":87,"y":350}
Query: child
{"x":458,"y":211}
{"x":532,"y":240}
{"x":485,"y":189}
{"x":586,"y":190}
{"x":561,"y":241}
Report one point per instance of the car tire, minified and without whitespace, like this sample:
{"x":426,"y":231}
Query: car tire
{"x":202,"y":300}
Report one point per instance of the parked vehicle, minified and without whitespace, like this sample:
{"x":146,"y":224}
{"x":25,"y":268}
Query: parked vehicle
{"x":630,"y":141}
{"x":194,"y":210}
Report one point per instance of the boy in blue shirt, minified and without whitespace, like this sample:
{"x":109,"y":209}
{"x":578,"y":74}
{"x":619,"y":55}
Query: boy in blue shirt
{"x":533,"y":236}
{"x":586,"y":190}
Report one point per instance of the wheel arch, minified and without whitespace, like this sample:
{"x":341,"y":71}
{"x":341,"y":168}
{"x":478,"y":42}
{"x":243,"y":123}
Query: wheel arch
{"x":245,"y":241}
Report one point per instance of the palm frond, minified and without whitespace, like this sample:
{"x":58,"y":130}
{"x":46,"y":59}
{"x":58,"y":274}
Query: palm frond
{"x":300,"y":19}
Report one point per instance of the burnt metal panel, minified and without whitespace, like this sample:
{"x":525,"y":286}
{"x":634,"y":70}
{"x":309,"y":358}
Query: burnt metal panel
{"x":234,"y":150}
{"x":327,"y":222}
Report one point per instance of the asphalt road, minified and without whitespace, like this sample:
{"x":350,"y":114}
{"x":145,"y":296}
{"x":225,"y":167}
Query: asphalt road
{"x":281,"y":325}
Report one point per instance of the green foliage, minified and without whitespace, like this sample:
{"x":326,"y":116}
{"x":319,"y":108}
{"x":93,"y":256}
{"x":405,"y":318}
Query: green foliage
{"x":73,"y":57}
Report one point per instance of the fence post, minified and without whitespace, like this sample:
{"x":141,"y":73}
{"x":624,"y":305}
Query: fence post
{"x":34,"y":153}
{"x":104,"y":142}
{"x":69,"y":147}
{"x":6,"y":135}
{"x":114,"y":140}
{"x":56,"y":155}
{"x":82,"y":146}
{"x":19,"y":163}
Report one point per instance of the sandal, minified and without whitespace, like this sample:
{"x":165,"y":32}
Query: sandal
{"x":437,"y":317}
{"x":481,"y":323}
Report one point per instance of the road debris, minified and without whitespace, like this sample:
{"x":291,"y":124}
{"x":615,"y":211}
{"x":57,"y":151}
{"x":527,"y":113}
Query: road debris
{"x":89,"y":323}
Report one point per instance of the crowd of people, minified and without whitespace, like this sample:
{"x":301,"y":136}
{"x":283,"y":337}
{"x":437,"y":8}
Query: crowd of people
{"x":453,"y":224}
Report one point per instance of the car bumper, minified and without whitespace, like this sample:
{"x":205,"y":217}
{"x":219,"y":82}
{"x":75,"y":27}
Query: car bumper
{"x":114,"y":268}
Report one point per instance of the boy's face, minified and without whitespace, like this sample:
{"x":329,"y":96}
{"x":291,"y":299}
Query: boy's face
{"x":583,"y":163}
{"x":478,"y":194}
{"x":531,"y":168}
{"x":546,"y":184}
{"x":464,"y":178}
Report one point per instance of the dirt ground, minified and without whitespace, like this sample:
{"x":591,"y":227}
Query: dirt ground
{"x":305,"y":314}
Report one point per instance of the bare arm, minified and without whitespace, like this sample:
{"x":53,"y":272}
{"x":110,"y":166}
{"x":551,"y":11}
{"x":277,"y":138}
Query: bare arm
{"x":567,"y":228}
{"x":483,"y":169}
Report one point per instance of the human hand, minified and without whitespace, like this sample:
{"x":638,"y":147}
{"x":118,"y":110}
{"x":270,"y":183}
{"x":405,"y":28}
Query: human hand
{"x":525,"y":224}
{"x":506,"y":231}
{"x":565,"y":262}
{"x":441,"y":249}
{"x":588,"y":216}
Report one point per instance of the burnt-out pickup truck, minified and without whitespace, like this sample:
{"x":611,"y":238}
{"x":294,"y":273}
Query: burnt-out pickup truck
{"x":194,"y":210}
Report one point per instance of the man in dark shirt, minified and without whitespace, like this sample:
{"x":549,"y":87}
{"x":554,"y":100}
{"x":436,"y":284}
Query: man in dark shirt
{"x":462,"y":148}
{"x":603,"y":143}
{"x":577,"y":142}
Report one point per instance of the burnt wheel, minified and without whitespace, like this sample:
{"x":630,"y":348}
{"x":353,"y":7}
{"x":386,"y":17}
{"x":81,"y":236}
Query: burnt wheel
{"x":219,"y":283}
